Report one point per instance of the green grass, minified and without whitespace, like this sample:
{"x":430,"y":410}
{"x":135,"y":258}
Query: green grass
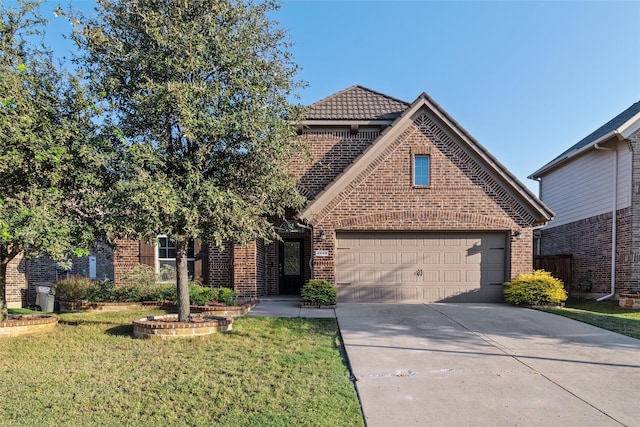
{"x":605,"y":314}
{"x":90,"y":371}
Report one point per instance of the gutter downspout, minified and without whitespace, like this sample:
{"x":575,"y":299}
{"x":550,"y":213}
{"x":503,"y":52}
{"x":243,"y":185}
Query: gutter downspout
{"x":614,"y":222}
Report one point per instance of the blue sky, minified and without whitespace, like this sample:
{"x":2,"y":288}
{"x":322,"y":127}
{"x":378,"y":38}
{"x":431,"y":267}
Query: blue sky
{"x":527,"y":79}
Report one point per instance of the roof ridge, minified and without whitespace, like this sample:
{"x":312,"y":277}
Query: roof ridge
{"x":383,"y":94}
{"x":345,"y":90}
{"x":357,"y":102}
{"x":609,"y":126}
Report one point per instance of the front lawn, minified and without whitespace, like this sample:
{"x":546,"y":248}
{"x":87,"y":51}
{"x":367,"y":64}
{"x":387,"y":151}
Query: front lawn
{"x":90,"y":371}
{"x":605,"y":314}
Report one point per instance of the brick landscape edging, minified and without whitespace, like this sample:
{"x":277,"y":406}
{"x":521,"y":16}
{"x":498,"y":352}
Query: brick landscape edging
{"x":631,"y":301}
{"x":167,"y":326}
{"x":27,"y":324}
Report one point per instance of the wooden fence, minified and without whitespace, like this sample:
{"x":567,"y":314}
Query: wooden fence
{"x":558,"y":265}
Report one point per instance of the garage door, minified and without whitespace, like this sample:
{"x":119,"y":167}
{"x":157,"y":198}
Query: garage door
{"x":427,"y":267}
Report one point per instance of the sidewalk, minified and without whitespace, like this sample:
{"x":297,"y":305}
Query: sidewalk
{"x":288,"y":306}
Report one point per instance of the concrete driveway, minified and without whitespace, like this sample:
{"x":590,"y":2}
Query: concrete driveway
{"x":487,"y":365}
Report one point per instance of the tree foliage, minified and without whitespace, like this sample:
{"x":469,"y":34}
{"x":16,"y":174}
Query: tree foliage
{"x":50,"y":166}
{"x":198,"y":92}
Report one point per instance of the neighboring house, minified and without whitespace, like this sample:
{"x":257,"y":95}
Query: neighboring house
{"x":584,"y":186}
{"x":403,"y":205}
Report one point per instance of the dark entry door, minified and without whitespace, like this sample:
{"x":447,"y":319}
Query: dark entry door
{"x":291,"y":266}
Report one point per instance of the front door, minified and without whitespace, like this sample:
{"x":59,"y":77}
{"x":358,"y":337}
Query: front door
{"x":291,"y":266}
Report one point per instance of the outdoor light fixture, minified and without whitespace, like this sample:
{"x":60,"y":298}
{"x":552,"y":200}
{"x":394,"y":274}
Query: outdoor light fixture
{"x":516,"y":234}
{"x":323,"y":235}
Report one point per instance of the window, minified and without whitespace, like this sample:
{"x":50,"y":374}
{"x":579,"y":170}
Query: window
{"x":166,"y":260}
{"x":421,"y":170}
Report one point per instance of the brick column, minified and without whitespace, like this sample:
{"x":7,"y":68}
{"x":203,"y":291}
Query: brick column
{"x":245,"y":271}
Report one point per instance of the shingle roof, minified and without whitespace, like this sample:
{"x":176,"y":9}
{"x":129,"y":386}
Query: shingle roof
{"x":357,"y":103}
{"x":603,"y":130}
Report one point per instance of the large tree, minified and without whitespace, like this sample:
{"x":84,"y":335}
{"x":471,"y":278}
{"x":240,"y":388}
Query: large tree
{"x":50,"y":168}
{"x":198,"y":92}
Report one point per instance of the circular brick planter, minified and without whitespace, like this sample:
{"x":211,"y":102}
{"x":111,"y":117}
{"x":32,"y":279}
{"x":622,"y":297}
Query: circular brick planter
{"x":168,"y":326}
{"x":23,"y":324}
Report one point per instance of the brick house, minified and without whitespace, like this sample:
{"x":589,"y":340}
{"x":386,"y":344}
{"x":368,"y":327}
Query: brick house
{"x":403,"y":205}
{"x":594,"y":189}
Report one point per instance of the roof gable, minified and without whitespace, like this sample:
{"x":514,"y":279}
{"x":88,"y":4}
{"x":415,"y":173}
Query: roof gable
{"x":356,"y":103}
{"x":621,"y":125}
{"x":508,"y":185}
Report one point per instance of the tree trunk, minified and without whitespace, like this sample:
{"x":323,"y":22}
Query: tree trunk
{"x":182,"y":245}
{"x":4,"y":313}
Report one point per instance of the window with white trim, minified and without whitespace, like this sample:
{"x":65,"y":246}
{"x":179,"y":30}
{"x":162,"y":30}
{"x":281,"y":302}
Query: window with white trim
{"x":166,"y":259}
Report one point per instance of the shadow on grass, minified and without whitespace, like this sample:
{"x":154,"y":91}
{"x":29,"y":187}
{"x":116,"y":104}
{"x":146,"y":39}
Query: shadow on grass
{"x":121,"y":331}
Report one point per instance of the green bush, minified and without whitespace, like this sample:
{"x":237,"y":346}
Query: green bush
{"x":160,"y":292}
{"x":537,"y":288}
{"x":224,"y":295}
{"x":320,"y":291}
{"x":140,"y":274}
{"x":77,"y":288}
{"x":200,"y":295}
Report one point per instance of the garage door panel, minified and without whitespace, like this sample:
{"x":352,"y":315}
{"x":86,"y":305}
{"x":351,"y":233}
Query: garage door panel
{"x":451,"y":276}
{"x":367,"y":276}
{"x":345,"y":258}
{"x":377,"y":266}
{"x":431,"y":276}
{"x":409,"y":258}
{"x":388,"y":258}
{"x":388,"y":276}
{"x":367,"y":258}
{"x":408,"y":293}
{"x":409,"y":276}
{"x":431,"y":258}
{"x":346,"y":277}
{"x":474,"y":259}
{"x":452,"y":258}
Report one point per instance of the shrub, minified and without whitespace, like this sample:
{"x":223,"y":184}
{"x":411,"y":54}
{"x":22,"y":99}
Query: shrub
{"x":167,"y":273}
{"x":160,"y":292}
{"x":76,"y":288}
{"x":320,"y":291}
{"x":224,"y":295}
{"x":200,"y":295}
{"x":537,"y":288}
{"x":140,"y":274}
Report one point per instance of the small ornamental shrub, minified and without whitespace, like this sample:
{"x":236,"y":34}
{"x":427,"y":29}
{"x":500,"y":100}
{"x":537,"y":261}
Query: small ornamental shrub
{"x":319,"y":291}
{"x":200,"y":295}
{"x":76,"y":288}
{"x":537,"y":288}
{"x":140,"y":274}
{"x":224,"y":295}
{"x":160,"y":292}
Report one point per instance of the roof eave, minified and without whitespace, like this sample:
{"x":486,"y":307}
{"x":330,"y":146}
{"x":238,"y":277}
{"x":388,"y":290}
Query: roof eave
{"x":542,"y":210}
{"x":345,"y":122}
{"x":622,"y":132}
{"x":564,"y":159}
{"x":543,"y":213}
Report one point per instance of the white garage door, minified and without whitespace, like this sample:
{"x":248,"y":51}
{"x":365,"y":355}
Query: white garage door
{"x":427,"y":267}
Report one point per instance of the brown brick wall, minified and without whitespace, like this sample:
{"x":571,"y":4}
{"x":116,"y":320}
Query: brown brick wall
{"x":220,"y":269}
{"x":245,"y":269}
{"x":462,"y":195}
{"x":589,"y":243}
{"x":126,"y":255}
{"x":16,"y":285}
{"x":331,"y":151}
{"x":634,"y":230}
